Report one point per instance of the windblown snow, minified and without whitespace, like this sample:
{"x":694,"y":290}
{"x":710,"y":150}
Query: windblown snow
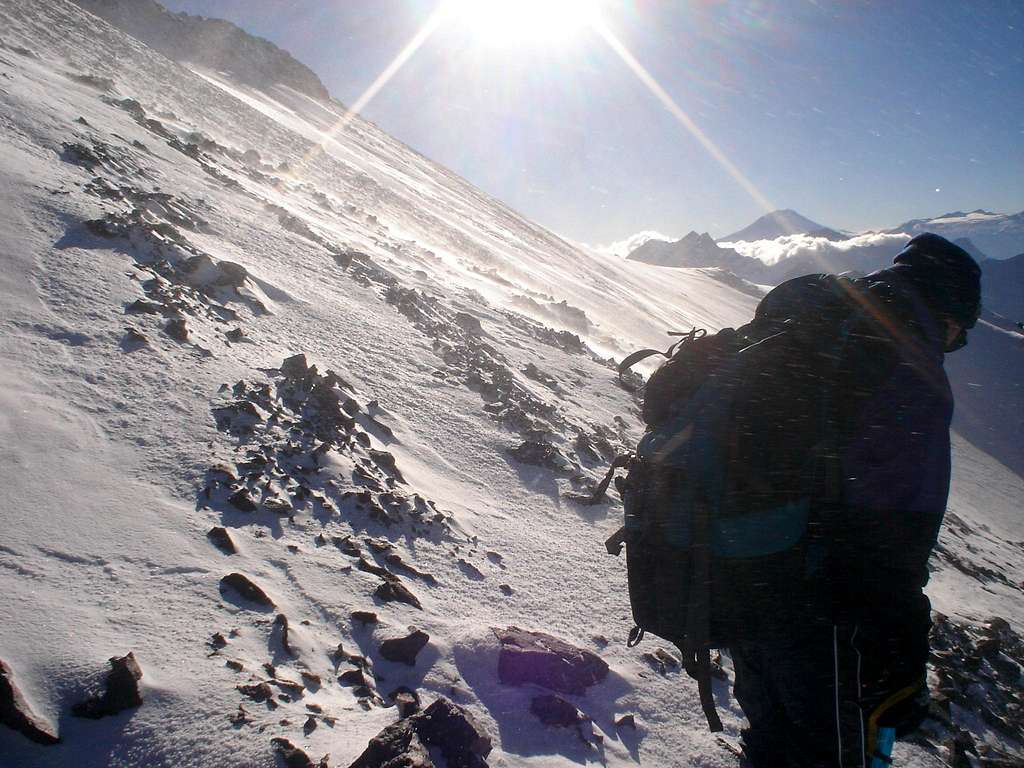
{"x":225,"y":327}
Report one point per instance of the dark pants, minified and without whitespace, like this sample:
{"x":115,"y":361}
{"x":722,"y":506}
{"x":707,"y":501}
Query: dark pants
{"x":802,"y":691}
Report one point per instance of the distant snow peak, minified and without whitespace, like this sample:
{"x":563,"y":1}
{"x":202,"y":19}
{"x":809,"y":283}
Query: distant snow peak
{"x":777,"y":224}
{"x":997,"y":235}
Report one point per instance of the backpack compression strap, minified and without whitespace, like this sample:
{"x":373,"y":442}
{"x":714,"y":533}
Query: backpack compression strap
{"x":642,"y":354}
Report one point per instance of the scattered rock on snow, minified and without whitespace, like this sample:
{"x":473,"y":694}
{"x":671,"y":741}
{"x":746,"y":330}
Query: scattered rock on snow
{"x":258,"y":692}
{"x":403,"y":650}
{"x":295,"y":367}
{"x":540,"y":453}
{"x":15,"y":712}
{"x":177,"y":329}
{"x":242,"y":500}
{"x":290,"y":755}
{"x":626,"y":721}
{"x":556,"y":711}
{"x":364,"y":617}
{"x":122,"y":690}
{"x":406,"y":700}
{"x":443,"y":725}
{"x":539,"y":658}
{"x":281,"y":627}
{"x":469,"y":323}
{"x":221,"y":539}
{"x":245,"y":587}
{"x":133,"y":337}
{"x":393,"y":590}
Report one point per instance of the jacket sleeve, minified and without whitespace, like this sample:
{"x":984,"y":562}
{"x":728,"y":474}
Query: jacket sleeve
{"x":895,"y":465}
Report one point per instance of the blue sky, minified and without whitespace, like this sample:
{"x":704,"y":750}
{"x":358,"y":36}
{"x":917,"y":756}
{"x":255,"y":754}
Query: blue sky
{"x":857,"y":114}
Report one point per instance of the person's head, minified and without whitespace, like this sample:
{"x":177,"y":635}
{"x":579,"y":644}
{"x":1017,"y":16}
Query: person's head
{"x":949,"y":282}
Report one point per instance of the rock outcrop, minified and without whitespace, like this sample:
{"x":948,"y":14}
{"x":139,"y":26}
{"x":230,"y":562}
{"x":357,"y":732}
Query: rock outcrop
{"x":121,"y":693}
{"x":444,"y":726}
{"x":17,"y":714}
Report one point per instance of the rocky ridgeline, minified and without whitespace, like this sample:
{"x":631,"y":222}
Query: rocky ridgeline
{"x":551,"y":439}
{"x":980,"y":671}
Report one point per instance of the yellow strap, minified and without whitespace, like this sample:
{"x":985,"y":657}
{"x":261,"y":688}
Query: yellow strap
{"x":889,"y":703}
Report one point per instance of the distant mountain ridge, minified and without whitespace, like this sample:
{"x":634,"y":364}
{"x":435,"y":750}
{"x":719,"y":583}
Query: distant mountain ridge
{"x":997,"y":235}
{"x":211,"y":43}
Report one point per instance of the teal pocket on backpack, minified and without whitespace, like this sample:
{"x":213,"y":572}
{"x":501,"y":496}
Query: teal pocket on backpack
{"x":756,"y":534}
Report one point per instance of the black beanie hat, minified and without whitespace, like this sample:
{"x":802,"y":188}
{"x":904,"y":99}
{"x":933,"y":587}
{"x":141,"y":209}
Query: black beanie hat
{"x":945,"y":275}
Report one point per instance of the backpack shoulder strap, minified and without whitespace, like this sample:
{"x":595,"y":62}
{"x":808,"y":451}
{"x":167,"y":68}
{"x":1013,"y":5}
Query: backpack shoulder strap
{"x":642,"y":354}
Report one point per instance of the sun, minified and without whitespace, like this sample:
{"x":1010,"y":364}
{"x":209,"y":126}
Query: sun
{"x":522,"y":22}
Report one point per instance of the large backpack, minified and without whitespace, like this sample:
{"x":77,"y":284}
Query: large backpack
{"x":724,"y":491}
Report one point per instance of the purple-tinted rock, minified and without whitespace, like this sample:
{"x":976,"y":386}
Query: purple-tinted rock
{"x":538,"y":658}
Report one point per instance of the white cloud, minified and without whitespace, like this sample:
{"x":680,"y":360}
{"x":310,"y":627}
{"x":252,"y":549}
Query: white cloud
{"x":782,"y":248}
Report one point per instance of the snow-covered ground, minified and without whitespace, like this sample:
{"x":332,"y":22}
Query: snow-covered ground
{"x":168,"y":238}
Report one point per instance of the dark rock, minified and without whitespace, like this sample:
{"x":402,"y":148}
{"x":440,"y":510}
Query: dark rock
{"x":392,"y":590}
{"x":540,"y":453}
{"x":354,"y":678}
{"x":376,"y":570}
{"x":309,"y":726}
{"x":218,"y":641}
{"x":177,"y":329}
{"x":221,"y":539}
{"x":403,"y":650}
{"x":406,"y":701}
{"x":395,"y":747}
{"x":556,"y":711}
{"x":538,"y":658}
{"x":232,"y":274}
{"x":134,"y":337}
{"x":257,"y":692}
{"x":454,"y":731}
{"x":122,"y":690}
{"x":444,"y":726}
{"x":469,"y":323}
{"x":281,"y":627}
{"x":505,"y":589}
{"x":235,"y":334}
{"x":295,"y":367}
{"x":386,"y":460}
{"x":365,"y":617}
{"x":291,"y":756}
{"x":347,"y":545}
{"x":15,"y":712}
{"x":140,"y":307}
{"x":234,"y":665}
{"x":242,"y":500}
{"x":626,"y":721}
{"x":244,"y":586}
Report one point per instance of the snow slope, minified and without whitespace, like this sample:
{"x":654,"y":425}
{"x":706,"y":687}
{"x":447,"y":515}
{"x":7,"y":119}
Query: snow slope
{"x":168,"y":239}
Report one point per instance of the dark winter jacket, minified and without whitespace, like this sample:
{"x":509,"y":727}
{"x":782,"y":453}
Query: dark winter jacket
{"x":895,"y":465}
